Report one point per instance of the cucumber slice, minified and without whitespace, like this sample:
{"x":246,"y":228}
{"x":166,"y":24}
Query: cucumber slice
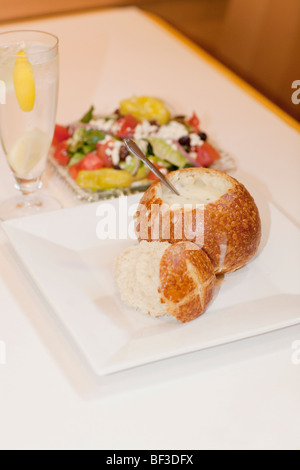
{"x":165,"y":151}
{"x":142,"y":172}
{"x":129,"y":166}
{"x":76,"y":158}
{"x":161,"y":162}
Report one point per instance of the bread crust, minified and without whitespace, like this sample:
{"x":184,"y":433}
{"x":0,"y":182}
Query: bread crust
{"x":187,"y":281}
{"x":229,"y":230}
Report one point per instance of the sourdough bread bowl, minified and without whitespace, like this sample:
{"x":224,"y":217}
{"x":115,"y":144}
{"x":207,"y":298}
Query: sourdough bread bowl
{"x":163,"y":279}
{"x":214,"y":210}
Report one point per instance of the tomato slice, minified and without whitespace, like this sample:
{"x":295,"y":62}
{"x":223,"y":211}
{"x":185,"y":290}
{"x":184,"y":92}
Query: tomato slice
{"x":90,"y":162}
{"x":61,"y":153}
{"x":207,"y":154}
{"x":126,"y":126}
{"x":194,"y":122}
{"x":152,"y":176}
{"x":102,"y":153}
{"x":74,"y":170}
{"x":61,"y":133}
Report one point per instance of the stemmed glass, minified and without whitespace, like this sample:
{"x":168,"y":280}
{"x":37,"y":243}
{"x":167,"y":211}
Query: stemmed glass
{"x":29,"y":80}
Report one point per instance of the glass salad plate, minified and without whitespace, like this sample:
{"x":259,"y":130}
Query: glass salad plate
{"x":226,"y":164}
{"x":90,"y":156}
{"x":75,"y":274}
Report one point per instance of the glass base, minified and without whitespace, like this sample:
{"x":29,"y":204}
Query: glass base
{"x":24,"y":206}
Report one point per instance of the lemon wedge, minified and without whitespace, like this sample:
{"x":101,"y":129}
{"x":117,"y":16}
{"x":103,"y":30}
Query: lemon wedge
{"x":24,"y":82}
{"x":28,"y":151}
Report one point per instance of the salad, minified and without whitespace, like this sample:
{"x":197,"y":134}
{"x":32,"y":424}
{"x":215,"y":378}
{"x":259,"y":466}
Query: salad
{"x":94,"y":155}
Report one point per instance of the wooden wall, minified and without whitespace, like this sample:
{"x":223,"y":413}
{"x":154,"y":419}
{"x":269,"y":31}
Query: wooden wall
{"x":16,"y":9}
{"x":258,"y":39}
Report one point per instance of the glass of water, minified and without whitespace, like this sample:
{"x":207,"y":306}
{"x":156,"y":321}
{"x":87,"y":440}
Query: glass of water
{"x":29,"y":78}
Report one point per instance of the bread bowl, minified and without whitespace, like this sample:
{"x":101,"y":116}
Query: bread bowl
{"x":215,"y":211}
{"x":162,"y":279}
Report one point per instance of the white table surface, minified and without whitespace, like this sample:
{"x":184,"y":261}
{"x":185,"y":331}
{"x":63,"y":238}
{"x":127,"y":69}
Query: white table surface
{"x":244,"y":395}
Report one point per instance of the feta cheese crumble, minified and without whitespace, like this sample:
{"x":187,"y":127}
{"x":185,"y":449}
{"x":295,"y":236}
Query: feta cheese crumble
{"x":144,"y":129}
{"x":102,"y":124}
{"x":114,"y":151}
{"x":195,"y":140}
{"x":173,"y":130}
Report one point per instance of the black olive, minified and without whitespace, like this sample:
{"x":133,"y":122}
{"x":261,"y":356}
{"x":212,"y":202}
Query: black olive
{"x":123,"y":153}
{"x":203,"y":136}
{"x":185,"y":141}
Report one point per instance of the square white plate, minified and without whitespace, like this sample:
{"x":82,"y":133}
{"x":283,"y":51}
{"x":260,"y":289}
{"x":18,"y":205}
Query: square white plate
{"x":73,"y":269}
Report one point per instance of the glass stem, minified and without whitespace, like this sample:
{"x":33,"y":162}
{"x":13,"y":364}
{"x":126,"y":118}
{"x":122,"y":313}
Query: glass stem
{"x":28,"y":188}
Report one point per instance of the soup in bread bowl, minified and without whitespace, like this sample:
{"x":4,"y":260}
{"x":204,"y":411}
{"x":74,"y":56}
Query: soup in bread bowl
{"x":213,"y":210}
